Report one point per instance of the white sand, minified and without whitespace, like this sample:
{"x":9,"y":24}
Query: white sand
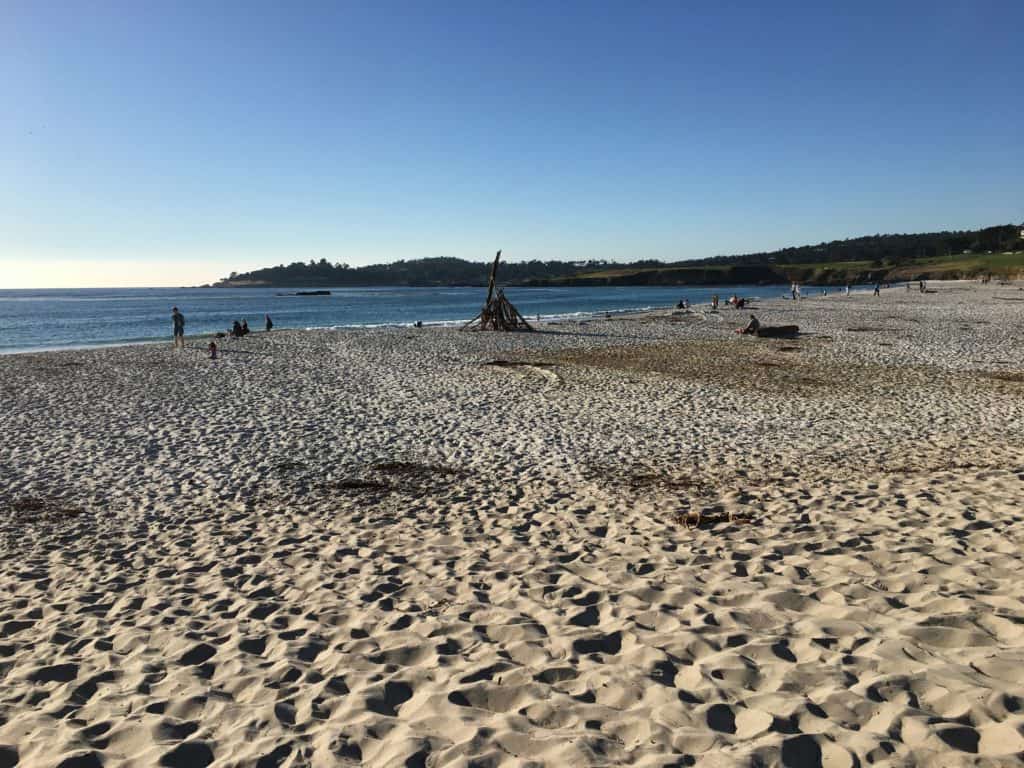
{"x":329,"y":548}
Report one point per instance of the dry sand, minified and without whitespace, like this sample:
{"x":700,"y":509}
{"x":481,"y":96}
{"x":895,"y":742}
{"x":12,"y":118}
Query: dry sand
{"x":642,"y":541}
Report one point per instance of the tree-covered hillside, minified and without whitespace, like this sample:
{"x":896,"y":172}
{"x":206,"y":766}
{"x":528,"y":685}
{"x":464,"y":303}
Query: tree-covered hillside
{"x":888,"y":250}
{"x":874,"y":257}
{"x":422,"y":272}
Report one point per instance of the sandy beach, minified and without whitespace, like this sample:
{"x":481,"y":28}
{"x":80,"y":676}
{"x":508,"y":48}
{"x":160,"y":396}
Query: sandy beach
{"x":633,"y":541}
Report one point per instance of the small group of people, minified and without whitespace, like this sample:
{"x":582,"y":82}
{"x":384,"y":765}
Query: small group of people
{"x":737,"y":301}
{"x":734,"y":301}
{"x":238,"y":330}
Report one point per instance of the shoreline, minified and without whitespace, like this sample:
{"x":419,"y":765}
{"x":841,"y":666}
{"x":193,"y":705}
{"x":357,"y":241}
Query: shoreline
{"x":578,"y":316}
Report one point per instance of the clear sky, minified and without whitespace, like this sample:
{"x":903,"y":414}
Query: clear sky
{"x":165,"y":143}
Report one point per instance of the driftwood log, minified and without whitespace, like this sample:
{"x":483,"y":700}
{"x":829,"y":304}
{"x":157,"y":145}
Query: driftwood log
{"x":777,"y":331}
{"x":498,"y":313}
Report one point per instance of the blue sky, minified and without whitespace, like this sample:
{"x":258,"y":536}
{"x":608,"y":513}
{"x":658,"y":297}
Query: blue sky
{"x":171,"y":143}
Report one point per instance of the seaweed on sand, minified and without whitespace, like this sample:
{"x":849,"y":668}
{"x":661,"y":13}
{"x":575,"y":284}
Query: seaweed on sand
{"x":395,"y":475}
{"x":31,"y":509}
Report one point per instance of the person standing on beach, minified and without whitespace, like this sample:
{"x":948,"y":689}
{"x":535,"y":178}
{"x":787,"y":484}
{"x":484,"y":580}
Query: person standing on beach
{"x":270,"y":323}
{"x":178,"y":323}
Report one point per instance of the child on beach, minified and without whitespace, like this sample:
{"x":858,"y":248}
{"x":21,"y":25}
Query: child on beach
{"x":213,"y":350}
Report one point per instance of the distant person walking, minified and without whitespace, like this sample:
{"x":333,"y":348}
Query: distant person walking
{"x":270,"y":323}
{"x":877,"y":289}
{"x":178,"y":323}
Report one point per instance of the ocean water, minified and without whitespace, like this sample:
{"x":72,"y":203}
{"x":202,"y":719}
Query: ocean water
{"x":37,"y":320}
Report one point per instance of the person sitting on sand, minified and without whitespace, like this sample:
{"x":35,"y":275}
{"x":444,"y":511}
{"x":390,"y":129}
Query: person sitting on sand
{"x":245,"y":327}
{"x":751,"y":327}
{"x":236,"y":330}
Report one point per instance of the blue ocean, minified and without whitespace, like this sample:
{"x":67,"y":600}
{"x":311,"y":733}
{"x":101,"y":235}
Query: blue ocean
{"x":37,"y":320}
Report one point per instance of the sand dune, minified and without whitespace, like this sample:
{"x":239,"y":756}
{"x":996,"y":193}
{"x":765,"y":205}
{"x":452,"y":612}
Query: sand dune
{"x":647,"y":542}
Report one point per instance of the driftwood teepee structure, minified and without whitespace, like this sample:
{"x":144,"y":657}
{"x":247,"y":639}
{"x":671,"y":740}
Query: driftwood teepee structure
{"x":498,"y":313}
